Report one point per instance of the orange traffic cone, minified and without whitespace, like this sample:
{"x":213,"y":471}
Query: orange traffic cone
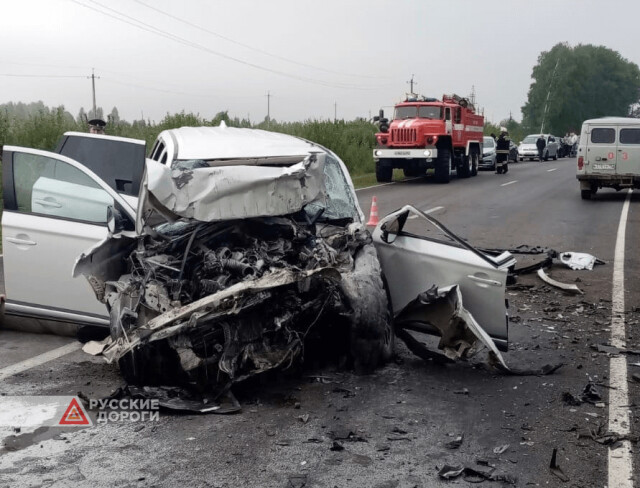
{"x":373,"y":215}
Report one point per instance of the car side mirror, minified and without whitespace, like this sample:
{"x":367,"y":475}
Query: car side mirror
{"x":391,"y":229}
{"x":116,"y":222}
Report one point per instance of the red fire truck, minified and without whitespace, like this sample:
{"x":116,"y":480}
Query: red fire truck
{"x":426,"y":133}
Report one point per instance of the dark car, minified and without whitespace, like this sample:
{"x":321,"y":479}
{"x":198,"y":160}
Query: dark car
{"x":513,"y":152}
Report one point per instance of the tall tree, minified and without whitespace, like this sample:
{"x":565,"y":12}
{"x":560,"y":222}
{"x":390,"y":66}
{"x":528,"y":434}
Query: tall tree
{"x":579,"y":83}
{"x":114,"y":116}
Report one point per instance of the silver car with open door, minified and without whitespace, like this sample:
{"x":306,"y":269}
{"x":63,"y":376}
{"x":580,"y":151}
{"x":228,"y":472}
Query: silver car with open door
{"x":55,"y":208}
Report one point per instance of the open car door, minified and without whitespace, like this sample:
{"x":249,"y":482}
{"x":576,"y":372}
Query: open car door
{"x":54,"y":209}
{"x":434,"y":265}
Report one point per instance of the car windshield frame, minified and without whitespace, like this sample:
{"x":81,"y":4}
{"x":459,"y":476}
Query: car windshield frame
{"x":419,"y":112}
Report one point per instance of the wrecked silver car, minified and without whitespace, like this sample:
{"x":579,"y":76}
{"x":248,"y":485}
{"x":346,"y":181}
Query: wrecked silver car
{"x":250,"y":252}
{"x":237,"y":263}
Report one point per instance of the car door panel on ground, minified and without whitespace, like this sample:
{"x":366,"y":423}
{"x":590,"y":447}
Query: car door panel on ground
{"x":55,"y":209}
{"x":414,"y":263}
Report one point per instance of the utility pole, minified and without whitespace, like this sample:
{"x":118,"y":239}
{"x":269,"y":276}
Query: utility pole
{"x":546,"y":103}
{"x":93,"y":89}
{"x":472,"y":97}
{"x":335,"y":112}
{"x":268,"y":108}
{"x":411,"y":83}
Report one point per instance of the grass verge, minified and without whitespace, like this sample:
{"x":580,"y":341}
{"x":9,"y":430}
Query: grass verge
{"x":369,"y":179}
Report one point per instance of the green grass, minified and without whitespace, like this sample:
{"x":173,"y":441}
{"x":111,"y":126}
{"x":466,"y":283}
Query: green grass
{"x":369,"y":179}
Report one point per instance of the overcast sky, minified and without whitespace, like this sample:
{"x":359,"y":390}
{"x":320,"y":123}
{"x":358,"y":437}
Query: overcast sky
{"x":205,"y":56}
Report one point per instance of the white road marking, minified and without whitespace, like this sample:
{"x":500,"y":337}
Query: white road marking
{"x":552,"y":169}
{"x":38,"y":360}
{"x":376,"y":186}
{"x":509,"y":183}
{"x":431,"y":210}
{"x":620,"y":459}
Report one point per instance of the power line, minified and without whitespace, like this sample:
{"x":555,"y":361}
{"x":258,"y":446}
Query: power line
{"x":15,"y":75}
{"x":154,"y":30}
{"x":247,"y":46}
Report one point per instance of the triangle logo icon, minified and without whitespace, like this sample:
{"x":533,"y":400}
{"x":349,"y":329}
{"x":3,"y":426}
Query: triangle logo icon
{"x":75,"y":414}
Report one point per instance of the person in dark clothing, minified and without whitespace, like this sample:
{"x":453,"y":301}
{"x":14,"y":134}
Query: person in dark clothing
{"x":541,"y":144}
{"x":96,"y":126}
{"x":502,"y":151}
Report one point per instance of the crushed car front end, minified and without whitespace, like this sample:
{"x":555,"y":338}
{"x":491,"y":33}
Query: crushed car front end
{"x":237,"y":269}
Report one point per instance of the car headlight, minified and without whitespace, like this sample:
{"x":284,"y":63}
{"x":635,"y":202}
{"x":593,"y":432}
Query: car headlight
{"x":427,"y":152}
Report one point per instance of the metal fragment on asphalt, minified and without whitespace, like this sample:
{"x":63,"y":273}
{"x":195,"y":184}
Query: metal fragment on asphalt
{"x":563,"y":286}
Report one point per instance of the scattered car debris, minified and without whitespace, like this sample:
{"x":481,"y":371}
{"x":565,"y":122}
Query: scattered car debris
{"x":181,"y":400}
{"x":602,"y":436}
{"x":590,"y":394}
{"x":448,"y":472}
{"x":95,"y":348}
{"x":563,"y":286}
{"x":474,"y":475}
{"x":579,"y":260}
{"x":555,"y":468}
{"x":569,"y":399}
{"x":336,"y":446}
{"x":455,"y":443}
{"x":500,"y":449}
{"x":346,"y":435}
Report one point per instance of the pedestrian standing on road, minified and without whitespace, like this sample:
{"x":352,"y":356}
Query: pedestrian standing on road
{"x":541,"y":144}
{"x":96,"y":126}
{"x":574,"y":144}
{"x":502,"y":151}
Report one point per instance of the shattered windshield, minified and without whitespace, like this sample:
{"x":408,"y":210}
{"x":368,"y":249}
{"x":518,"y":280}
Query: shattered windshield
{"x":340,"y":204}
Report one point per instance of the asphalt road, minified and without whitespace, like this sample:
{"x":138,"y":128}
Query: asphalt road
{"x":393,"y":425}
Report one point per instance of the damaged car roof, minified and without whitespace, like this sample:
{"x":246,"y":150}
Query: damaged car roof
{"x":224,"y":173}
{"x":224,"y":142}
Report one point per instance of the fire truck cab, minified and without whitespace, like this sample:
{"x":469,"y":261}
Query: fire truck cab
{"x":427,"y":134}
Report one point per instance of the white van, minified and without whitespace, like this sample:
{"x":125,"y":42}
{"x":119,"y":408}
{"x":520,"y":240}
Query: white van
{"x":609,"y":155}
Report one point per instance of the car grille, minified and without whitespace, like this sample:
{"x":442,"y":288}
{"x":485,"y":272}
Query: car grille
{"x":405,"y":137}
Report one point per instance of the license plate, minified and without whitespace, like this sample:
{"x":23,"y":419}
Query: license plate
{"x":603,"y":166}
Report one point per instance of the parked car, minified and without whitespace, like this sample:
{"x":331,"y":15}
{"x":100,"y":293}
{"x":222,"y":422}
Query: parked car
{"x":244,"y":248}
{"x":55,"y":207}
{"x":488,"y":153}
{"x":608,"y":155}
{"x":528,"y":148}
{"x":513,"y":152}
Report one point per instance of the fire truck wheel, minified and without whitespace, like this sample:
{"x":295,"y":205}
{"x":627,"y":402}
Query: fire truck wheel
{"x":443,"y":166}
{"x":383,"y":173}
{"x":475,"y":159}
{"x":465,"y":169}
